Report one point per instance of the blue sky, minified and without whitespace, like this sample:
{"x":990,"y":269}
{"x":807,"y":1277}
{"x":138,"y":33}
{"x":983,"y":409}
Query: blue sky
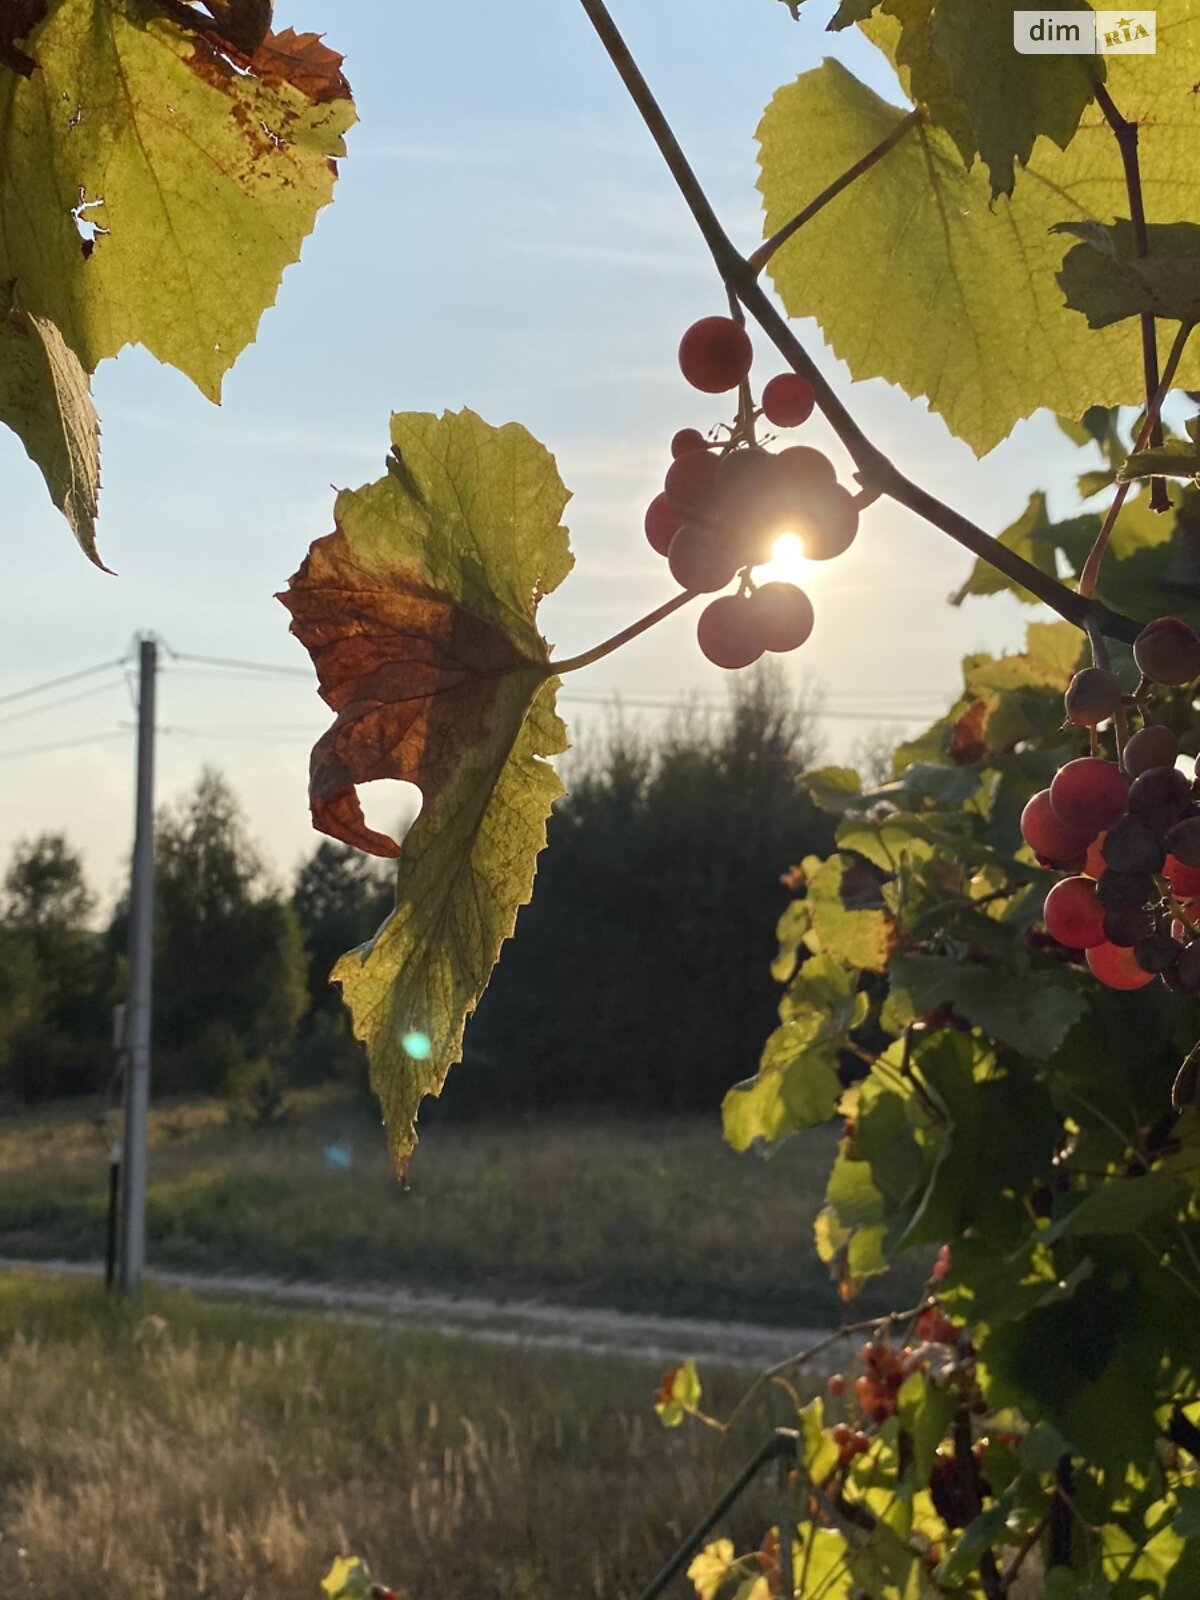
{"x":504,"y":237}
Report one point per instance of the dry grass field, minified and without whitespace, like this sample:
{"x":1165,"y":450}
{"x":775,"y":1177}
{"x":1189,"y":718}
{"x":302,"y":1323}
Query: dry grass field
{"x":188,"y":1449}
{"x":639,"y":1216}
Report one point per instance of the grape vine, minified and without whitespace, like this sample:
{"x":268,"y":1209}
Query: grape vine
{"x":990,"y":984}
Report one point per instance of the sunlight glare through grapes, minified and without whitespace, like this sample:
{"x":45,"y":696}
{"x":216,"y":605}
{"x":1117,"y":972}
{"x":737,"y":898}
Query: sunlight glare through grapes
{"x":788,"y":563}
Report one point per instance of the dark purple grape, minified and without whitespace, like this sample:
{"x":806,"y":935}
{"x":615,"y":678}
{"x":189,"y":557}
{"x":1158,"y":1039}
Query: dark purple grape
{"x":1161,"y":796}
{"x":1186,"y":976}
{"x":1157,"y":953}
{"x":1126,"y":928}
{"x":1132,"y":845}
{"x":1123,"y":891}
{"x":1183,"y":842}
{"x":1152,"y":746}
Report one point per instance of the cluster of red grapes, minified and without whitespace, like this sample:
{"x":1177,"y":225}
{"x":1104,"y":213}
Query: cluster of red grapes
{"x":1127,"y":832}
{"x":884,"y":1369}
{"x":724,"y":504}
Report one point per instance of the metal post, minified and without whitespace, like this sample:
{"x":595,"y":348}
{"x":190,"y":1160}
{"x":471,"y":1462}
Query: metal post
{"x":139,"y":1002}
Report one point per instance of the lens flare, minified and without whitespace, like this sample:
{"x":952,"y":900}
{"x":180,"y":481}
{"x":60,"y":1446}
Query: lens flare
{"x":788,"y":563}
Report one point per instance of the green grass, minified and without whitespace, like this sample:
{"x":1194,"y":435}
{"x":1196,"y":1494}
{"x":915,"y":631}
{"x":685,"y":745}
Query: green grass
{"x":642,"y":1216}
{"x":195,"y":1449}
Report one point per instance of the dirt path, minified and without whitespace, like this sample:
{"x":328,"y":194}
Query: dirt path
{"x":530,"y":1323}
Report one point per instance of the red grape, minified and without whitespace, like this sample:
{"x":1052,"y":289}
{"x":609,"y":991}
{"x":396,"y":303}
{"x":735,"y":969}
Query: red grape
{"x":686,"y":441}
{"x":1047,"y":835}
{"x":1184,"y":881}
{"x":751,"y":501}
{"x":1115,"y":966}
{"x":829,"y":523}
{"x":1074,"y":915}
{"x":715,"y":354}
{"x":1089,"y":794}
{"x":788,"y":400}
{"x":700,"y":558}
{"x":1092,"y":696}
{"x":784,"y":615}
{"x":663,"y":522}
{"x":727,"y":632}
{"x":1152,"y":746}
{"x":690,"y":482}
{"x":807,"y":466}
{"x":1167,"y":651}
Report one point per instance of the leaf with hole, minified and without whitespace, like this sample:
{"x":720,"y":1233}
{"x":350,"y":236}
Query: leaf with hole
{"x":419,"y":613}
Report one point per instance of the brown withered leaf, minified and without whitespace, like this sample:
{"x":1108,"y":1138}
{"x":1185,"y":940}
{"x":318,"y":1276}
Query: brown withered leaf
{"x":419,"y":613}
{"x":412,"y":674}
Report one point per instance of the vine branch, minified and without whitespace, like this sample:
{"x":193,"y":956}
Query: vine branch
{"x":1126,"y":133}
{"x":607,"y":646}
{"x":875,"y":471}
{"x":1090,"y":575}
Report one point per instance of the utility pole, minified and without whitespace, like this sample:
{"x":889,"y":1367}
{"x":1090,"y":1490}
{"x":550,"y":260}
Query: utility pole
{"x":139,"y":1006}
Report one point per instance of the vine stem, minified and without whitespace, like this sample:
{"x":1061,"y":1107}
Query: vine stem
{"x":1090,"y":575}
{"x":875,"y":471}
{"x":758,"y":259}
{"x":802,"y":1357}
{"x":607,"y":646}
{"x":1126,"y":133}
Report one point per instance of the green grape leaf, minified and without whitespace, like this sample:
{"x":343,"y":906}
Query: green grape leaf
{"x":926,"y":1410}
{"x":820,"y":1452}
{"x":45,"y":398}
{"x":419,"y":612}
{"x":1178,"y":458}
{"x":918,"y":277}
{"x":851,"y":11}
{"x":1030,"y":1011}
{"x":833,"y":788}
{"x":862,"y":938}
{"x":797,"y":1085}
{"x":1036,"y":537}
{"x":1103,"y":278}
{"x":1010,"y":98}
{"x":1128,"y":1206}
{"x":194,"y":173}
{"x":783,"y":1098}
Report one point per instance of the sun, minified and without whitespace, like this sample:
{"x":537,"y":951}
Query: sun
{"x":788,"y":563}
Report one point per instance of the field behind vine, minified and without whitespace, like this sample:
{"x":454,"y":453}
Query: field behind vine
{"x":640,"y":1216}
{"x":188,"y":1449}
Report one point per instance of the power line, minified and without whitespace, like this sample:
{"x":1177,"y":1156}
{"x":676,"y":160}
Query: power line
{"x":271,"y":667}
{"x":61,"y":744}
{"x":57,"y":683}
{"x":65,"y":700}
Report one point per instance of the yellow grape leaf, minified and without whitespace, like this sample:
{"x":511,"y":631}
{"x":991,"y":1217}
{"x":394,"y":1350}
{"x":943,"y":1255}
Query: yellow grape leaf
{"x":154,"y":186}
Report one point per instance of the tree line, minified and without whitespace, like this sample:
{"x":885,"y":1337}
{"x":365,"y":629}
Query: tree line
{"x":639,"y":975}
